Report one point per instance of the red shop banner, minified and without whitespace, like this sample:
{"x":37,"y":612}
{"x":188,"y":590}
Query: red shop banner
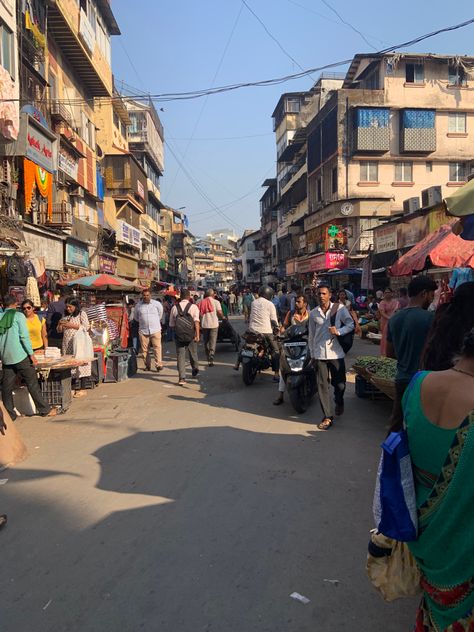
{"x":328,"y":261}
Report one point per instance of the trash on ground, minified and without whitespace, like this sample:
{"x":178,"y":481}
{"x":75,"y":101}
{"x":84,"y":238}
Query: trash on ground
{"x":46,"y":605}
{"x":3,"y":481}
{"x":332,"y":581}
{"x":298,"y":597}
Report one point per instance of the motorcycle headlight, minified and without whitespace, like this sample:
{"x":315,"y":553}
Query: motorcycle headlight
{"x":296,"y":364}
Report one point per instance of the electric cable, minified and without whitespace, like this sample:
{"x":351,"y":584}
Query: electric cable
{"x":351,"y":26}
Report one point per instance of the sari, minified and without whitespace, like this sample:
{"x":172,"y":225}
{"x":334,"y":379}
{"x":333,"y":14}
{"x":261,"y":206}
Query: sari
{"x":443,"y":465}
{"x":387,"y":309}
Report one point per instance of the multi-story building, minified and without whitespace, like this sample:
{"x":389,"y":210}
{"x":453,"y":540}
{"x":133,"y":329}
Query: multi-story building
{"x":173,"y":246}
{"x":251,"y":256}
{"x":268,"y":228}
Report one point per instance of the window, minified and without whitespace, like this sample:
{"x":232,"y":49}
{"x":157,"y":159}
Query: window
{"x":123,"y":129}
{"x":369,"y":171}
{"x":7,"y":58}
{"x":292,"y":104}
{"x":457,"y":171}
{"x":334,"y":180}
{"x":403,"y":172}
{"x":429,"y":167}
{"x":457,"y":122}
{"x":457,"y":76}
{"x":116,"y":120}
{"x":414,"y":73}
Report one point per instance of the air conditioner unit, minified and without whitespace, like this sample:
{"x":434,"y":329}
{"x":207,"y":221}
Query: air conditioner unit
{"x":431,"y":196}
{"x":77,"y":192}
{"x":6,"y":171}
{"x":411,"y":205}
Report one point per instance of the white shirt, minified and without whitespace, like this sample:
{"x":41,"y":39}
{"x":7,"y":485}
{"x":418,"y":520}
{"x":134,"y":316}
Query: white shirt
{"x":149,"y":316}
{"x":322,"y":344}
{"x":193,"y":312}
{"x":210,"y":320}
{"x":261,"y":315}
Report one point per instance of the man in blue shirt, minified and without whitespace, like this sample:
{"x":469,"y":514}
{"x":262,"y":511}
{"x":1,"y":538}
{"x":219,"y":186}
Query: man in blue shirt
{"x":17,"y":358}
{"x":149,"y":313}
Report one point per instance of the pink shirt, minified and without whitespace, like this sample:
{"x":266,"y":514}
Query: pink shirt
{"x":194,"y":312}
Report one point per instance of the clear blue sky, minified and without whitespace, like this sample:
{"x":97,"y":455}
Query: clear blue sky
{"x":177,"y":46}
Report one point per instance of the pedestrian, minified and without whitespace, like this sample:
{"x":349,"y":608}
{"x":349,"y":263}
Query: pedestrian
{"x":3,"y":427}
{"x":56,"y":311}
{"x":75,"y":319}
{"x":403,"y":298}
{"x":133,"y":325}
{"x":387,"y":308}
{"x":210,"y":312}
{"x":232,"y":299}
{"x":247,"y":304}
{"x":36,"y":326}
{"x":439,"y":414}
{"x":16,"y":354}
{"x":284,"y":304}
{"x":240,"y":303}
{"x":406,"y":337}
{"x":184,"y":319}
{"x":299,"y":317}
{"x":452,"y":321}
{"x":327,"y":354}
{"x":264,"y":320}
{"x":343,"y":299}
{"x":149,"y":313}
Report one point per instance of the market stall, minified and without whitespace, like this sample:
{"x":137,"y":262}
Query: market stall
{"x":379,"y":372}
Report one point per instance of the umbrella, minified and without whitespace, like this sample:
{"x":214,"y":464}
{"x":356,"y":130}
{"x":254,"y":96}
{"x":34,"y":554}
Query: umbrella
{"x":104,"y":282}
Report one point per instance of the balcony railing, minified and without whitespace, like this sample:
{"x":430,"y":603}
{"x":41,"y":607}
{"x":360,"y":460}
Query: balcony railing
{"x":59,"y":112}
{"x":61,"y":216}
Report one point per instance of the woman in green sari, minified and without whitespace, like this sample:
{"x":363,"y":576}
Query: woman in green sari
{"x":439,"y":414}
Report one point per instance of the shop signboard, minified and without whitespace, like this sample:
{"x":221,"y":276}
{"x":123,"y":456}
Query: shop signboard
{"x":67,"y":163}
{"x":386,"y":238}
{"x":145,"y":273}
{"x":127,"y":267}
{"x":140,"y":189}
{"x":438,"y":217}
{"x":39,"y":147}
{"x":127,"y":234}
{"x":77,"y":255}
{"x":411,"y":232}
{"x":304,"y":266}
{"x":107,"y":264}
{"x":302,"y":242}
{"x":327,"y":261}
{"x":45,"y":246}
{"x":290,"y":267}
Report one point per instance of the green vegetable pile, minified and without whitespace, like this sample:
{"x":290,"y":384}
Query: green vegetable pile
{"x":382,"y":367}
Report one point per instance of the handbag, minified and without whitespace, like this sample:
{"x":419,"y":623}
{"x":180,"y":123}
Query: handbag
{"x":391,"y":568}
{"x":346,"y":340}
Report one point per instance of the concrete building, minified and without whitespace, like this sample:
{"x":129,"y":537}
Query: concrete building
{"x":251,"y":256}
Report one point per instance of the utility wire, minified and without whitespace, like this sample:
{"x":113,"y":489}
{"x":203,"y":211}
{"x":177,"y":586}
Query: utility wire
{"x":224,"y":137}
{"x":351,"y":26}
{"x":195,"y":94}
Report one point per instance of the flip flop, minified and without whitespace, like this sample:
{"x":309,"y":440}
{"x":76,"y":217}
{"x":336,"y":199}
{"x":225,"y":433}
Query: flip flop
{"x":3,"y":521}
{"x":325,"y":424}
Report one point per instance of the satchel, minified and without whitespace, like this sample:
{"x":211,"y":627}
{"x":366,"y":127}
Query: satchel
{"x":391,"y":568}
{"x":346,"y":340}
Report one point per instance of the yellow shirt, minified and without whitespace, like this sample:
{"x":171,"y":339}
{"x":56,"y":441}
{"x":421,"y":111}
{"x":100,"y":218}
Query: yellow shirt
{"x":34,"y":329}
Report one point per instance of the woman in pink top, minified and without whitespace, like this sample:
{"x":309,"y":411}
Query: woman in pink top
{"x":387,"y":308}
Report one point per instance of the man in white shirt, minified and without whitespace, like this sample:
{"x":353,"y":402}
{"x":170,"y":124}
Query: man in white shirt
{"x":327,"y":353}
{"x":149,"y":313}
{"x":264,"y":320}
{"x":232,"y":300}
{"x":210,"y":311}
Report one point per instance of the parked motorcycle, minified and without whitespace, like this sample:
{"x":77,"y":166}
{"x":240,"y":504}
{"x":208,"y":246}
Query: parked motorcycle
{"x":254,"y":356}
{"x":296,"y":367}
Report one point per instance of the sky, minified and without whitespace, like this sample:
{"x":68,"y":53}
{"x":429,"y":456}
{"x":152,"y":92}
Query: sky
{"x":219,"y":149}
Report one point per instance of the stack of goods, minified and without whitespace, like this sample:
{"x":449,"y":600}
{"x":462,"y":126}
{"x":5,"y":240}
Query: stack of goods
{"x":53,"y":353}
{"x":378,"y":371}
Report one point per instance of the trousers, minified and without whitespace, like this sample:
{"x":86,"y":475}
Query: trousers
{"x":26,"y":370}
{"x":330,"y":372}
{"x":155,"y":340}
{"x":181,"y":357}
{"x":209,"y":337}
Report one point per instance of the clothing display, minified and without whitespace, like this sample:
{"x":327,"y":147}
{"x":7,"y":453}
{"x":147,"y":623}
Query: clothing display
{"x":32,"y":291}
{"x":460,"y":276}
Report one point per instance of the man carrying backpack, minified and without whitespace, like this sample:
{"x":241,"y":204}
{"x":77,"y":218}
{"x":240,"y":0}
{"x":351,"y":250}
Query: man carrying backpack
{"x":184,"y":319}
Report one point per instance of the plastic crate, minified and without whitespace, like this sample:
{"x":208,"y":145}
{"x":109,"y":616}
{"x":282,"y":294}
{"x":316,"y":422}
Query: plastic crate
{"x":365,"y":389}
{"x":56,"y":390}
{"x":117,"y":368}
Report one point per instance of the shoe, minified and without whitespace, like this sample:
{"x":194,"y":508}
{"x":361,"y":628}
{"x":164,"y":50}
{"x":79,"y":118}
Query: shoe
{"x":325,"y":424}
{"x":339,"y":409}
{"x":147,"y":368}
{"x":3,"y":520}
{"x":195,"y":372}
{"x":182,"y":383}
{"x":279,"y":401}
{"x":211,"y":363}
{"x":159,"y":368}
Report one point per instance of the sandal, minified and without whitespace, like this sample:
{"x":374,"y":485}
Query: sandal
{"x":52,"y":413}
{"x":279,"y":401}
{"x":325,"y":424}
{"x":3,"y":520}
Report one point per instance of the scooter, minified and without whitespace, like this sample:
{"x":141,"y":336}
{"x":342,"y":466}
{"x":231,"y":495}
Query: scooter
{"x":296,"y":367}
{"x":254,"y":356}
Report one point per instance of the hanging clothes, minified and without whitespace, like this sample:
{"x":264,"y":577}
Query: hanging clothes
{"x":460,"y":276}
{"x":32,"y":291}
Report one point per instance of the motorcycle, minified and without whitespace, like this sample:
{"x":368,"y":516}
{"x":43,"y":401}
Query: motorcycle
{"x":296,"y":367}
{"x":254,"y":356}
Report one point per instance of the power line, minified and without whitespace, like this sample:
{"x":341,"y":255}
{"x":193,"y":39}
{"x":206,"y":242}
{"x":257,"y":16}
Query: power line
{"x":224,"y":137}
{"x":351,"y":26}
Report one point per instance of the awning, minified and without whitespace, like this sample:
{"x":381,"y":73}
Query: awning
{"x":443,"y":248}
{"x":461,"y":202}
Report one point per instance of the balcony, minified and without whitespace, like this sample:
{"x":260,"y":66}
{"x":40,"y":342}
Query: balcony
{"x":60,"y":113}
{"x":417,"y":131}
{"x":371,"y":132}
{"x":61,"y":216}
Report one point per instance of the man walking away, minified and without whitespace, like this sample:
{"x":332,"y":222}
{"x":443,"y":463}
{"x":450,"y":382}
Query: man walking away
{"x":210,"y":312}
{"x":247,"y":304}
{"x":327,"y":353}
{"x":184,"y":319}
{"x":264,"y":320}
{"x":406,"y":337}
{"x":16,"y":354}
{"x":149,"y":313}
{"x":232,"y":299}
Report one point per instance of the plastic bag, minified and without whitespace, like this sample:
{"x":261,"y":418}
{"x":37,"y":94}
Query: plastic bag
{"x":83,"y":348}
{"x":391,"y":568}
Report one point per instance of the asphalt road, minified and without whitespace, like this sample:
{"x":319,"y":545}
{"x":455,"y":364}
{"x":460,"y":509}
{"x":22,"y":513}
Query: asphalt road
{"x":154,"y":507}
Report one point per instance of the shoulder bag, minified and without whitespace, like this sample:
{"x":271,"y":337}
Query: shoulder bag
{"x":346,"y":340}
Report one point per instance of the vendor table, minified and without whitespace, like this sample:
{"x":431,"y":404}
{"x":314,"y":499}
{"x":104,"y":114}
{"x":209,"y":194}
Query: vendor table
{"x":55,"y":380}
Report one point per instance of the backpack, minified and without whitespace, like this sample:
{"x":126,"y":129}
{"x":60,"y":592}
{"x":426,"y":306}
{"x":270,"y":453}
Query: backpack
{"x":184,"y":329}
{"x":16,"y":271}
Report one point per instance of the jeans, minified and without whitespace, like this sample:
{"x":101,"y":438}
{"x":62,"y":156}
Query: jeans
{"x":27,"y":371}
{"x":155,"y":340}
{"x":209,"y":337}
{"x":181,"y":357}
{"x":334,"y":372}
